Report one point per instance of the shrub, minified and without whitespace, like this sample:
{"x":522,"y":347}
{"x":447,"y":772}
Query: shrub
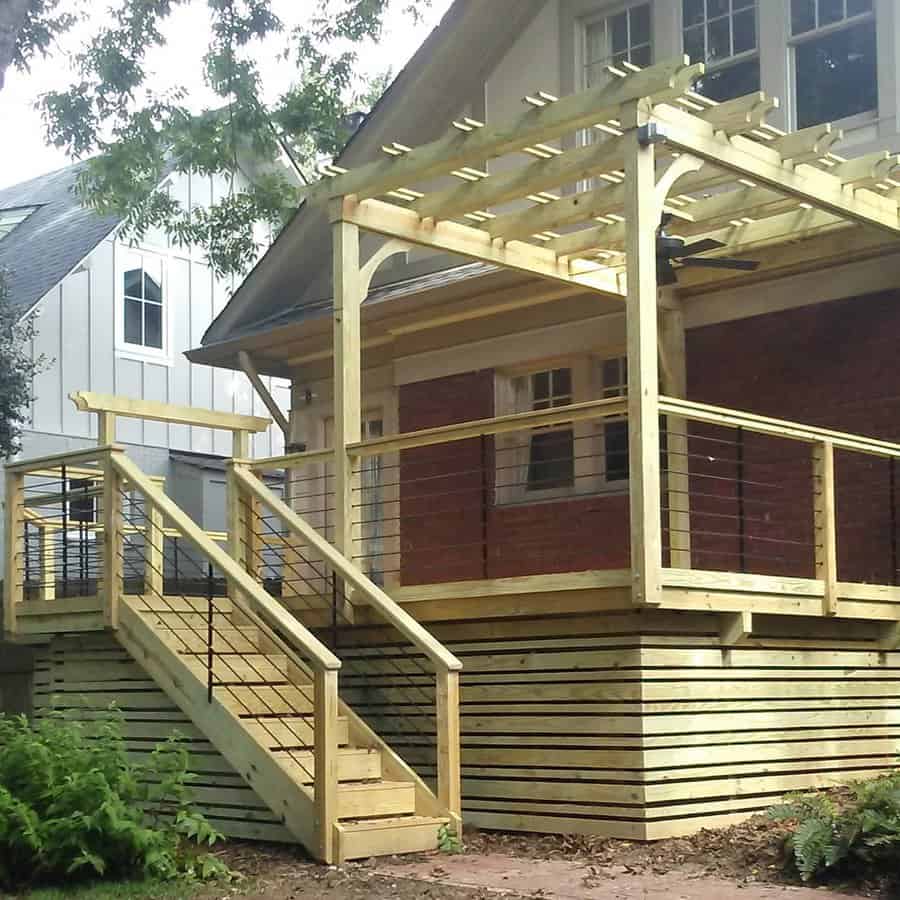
{"x":72,"y":804}
{"x":860,"y":837}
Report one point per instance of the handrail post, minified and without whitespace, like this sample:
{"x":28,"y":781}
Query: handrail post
{"x":825,"y":524}
{"x":326,"y":760}
{"x":154,"y":576}
{"x":448,"y":740}
{"x":112,"y":540}
{"x":48,"y":564}
{"x":14,"y":588}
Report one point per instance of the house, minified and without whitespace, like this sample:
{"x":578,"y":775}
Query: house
{"x":115,"y":316}
{"x":594,"y":529}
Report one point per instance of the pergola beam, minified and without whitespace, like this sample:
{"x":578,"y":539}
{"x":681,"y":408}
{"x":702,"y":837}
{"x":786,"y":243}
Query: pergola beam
{"x":451,"y":237}
{"x":533,"y":125}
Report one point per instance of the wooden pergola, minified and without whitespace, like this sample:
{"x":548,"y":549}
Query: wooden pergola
{"x":585,"y":211}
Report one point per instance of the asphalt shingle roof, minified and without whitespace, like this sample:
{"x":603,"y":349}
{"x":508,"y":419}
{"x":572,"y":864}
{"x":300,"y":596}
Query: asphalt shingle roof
{"x":38,"y":253}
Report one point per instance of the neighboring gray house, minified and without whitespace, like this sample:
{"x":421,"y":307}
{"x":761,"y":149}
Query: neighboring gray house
{"x":115,"y":317}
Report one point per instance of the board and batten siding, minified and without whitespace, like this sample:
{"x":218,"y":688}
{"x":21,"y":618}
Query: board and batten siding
{"x":79,"y":332}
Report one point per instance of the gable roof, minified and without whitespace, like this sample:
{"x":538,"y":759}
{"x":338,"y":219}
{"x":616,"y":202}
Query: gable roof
{"x":50,"y":242}
{"x":429,"y":91}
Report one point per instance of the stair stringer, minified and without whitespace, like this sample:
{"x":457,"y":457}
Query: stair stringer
{"x":287,"y":799}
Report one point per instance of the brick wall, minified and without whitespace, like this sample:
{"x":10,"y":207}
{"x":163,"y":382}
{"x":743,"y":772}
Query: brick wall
{"x":836,"y":365}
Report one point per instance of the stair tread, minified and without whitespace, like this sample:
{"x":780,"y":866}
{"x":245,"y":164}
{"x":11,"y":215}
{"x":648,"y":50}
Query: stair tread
{"x":379,"y":785}
{"x":410,"y":821}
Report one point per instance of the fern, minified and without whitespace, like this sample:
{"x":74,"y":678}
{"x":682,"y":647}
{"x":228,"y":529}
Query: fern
{"x":73,"y":805}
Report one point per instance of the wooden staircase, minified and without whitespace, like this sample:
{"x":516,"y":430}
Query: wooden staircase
{"x":265,"y":712}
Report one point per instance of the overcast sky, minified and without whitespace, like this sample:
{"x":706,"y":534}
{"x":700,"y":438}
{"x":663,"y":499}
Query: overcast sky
{"x":23,"y":152}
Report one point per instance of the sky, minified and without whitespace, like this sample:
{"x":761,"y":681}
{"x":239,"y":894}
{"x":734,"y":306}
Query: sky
{"x":23,"y":151}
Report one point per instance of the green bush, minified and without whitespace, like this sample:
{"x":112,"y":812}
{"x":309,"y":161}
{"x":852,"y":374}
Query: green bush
{"x":73,"y":805}
{"x":859,"y":837}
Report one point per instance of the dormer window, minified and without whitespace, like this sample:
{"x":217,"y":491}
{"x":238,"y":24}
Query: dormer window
{"x":724,"y":35}
{"x":10,"y":218}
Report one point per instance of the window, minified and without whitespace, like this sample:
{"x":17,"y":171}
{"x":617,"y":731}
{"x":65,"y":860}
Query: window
{"x":551,"y":451}
{"x":142,"y":283}
{"x":82,"y":502}
{"x":566,"y":459}
{"x":835,"y":59}
{"x":623,"y":37}
{"x":723,"y":34}
{"x":10,"y":218}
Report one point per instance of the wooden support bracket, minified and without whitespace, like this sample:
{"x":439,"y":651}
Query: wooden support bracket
{"x":735,"y":628}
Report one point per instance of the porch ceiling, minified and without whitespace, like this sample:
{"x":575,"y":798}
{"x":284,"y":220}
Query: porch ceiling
{"x":552,"y":204}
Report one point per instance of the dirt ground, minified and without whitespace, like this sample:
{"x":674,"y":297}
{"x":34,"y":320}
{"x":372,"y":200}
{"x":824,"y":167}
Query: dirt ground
{"x":745,"y":862}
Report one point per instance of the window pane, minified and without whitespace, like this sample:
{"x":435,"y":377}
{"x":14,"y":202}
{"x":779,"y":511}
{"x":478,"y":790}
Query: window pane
{"x":153,"y":325}
{"x":742,"y":4}
{"x":152,"y":289}
{"x":81,"y":508}
{"x":540,"y":385}
{"x":857,"y":7}
{"x":803,"y":16}
{"x":716,"y":8}
{"x":562,"y":382}
{"x":830,"y":11}
{"x":551,"y":462}
{"x":615,"y":440}
{"x":694,"y":45}
{"x":133,"y":322}
{"x":612,"y":377}
{"x":640,"y":56}
{"x":731,"y":81}
{"x":692,"y":12}
{"x":133,"y":283}
{"x":837,"y":75}
{"x":596,"y":49}
{"x":618,"y":26}
{"x":745,"y":31}
{"x":718,"y":39}
{"x":640,"y":25}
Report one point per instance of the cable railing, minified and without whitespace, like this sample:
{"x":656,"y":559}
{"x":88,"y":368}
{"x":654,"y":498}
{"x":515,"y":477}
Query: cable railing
{"x":395,"y":676}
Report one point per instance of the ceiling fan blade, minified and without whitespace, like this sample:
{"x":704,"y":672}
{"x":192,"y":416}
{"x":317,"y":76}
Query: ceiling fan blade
{"x":701,"y":247}
{"x":743,"y":265}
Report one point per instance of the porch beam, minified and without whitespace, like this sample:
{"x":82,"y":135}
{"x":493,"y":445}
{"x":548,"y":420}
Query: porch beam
{"x":451,"y":237}
{"x":642,"y":215}
{"x":665,"y":80}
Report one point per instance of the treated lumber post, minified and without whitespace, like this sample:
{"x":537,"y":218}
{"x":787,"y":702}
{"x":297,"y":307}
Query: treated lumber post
{"x":448,"y":738}
{"x":825,"y":524}
{"x":154,"y":574}
{"x":14,"y":589}
{"x":674,"y":384}
{"x":106,"y":429}
{"x":48,"y":567}
{"x":642,"y":216}
{"x":347,"y":376}
{"x":112,"y":540}
{"x":326,"y":761}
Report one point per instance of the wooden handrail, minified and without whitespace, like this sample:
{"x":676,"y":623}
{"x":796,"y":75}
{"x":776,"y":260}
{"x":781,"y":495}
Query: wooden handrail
{"x":260,"y":602}
{"x":377,"y":598}
{"x":795,"y":431}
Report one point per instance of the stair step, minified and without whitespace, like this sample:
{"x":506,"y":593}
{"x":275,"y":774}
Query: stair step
{"x":164,"y":622}
{"x":262,"y":700}
{"x":384,"y":837}
{"x":225,"y":640}
{"x":246,"y":669}
{"x":354,"y":764}
{"x":290,"y":731}
{"x":380,"y":798}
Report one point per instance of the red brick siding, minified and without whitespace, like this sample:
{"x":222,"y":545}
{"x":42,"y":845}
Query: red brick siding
{"x":834,"y":365}
{"x":450,"y":528}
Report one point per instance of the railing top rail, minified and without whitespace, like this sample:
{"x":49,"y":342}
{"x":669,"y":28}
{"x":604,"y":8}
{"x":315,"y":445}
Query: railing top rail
{"x":796,"y":431}
{"x":40,"y":464}
{"x":248,"y":594}
{"x":375,"y":596}
{"x":125,"y":407}
{"x":289,"y":460}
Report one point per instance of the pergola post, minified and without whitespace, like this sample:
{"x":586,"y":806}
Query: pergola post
{"x":347,"y":375}
{"x":642,"y":216}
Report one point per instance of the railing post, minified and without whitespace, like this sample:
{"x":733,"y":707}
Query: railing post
{"x":154,"y":576}
{"x":14,"y":588}
{"x":448,"y":739}
{"x":112,"y":540}
{"x":48,"y":564}
{"x":825,"y":528}
{"x":326,"y":760}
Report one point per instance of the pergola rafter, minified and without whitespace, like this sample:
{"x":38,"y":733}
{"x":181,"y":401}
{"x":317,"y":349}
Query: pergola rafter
{"x":514,"y":195}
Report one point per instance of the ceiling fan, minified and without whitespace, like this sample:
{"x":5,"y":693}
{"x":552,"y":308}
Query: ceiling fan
{"x":674,"y":250}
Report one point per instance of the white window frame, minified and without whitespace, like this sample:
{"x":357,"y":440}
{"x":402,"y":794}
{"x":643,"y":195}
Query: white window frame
{"x":124,"y":349}
{"x":735,"y":58}
{"x":512,"y":450}
{"x":855,"y":120}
